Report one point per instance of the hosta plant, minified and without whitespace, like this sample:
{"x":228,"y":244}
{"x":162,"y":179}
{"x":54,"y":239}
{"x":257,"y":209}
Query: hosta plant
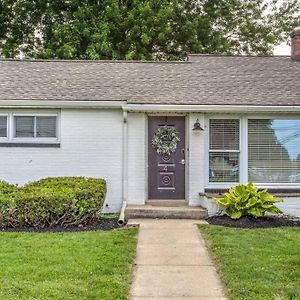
{"x":245,"y":200}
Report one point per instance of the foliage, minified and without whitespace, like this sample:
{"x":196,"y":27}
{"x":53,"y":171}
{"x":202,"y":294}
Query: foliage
{"x":67,"y":265}
{"x":108,"y":216}
{"x":243,"y":200}
{"x":147,"y":29}
{"x":256,"y":263}
{"x":7,"y":188}
{"x":165,"y":140}
{"x":50,"y":202}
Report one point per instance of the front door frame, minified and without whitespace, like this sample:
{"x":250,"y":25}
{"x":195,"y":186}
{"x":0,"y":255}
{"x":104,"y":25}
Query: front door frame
{"x":187,"y":141}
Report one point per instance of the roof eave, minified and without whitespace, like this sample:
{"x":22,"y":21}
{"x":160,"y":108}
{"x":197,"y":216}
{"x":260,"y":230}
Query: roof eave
{"x":210,"y":108}
{"x":121,"y":104}
{"x":61,"y":104}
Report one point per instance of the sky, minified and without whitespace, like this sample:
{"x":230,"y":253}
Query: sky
{"x":282,"y":49}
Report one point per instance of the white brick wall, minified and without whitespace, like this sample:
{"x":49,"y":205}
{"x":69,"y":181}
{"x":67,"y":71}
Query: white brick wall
{"x":290,"y":206}
{"x":137,"y":179}
{"x":91,"y":145}
{"x":196,"y":161}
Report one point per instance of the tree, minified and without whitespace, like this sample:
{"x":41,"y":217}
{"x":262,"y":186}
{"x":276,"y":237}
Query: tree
{"x":143,"y":29}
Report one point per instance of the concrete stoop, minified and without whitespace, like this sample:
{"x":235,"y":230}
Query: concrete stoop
{"x":165,"y":212}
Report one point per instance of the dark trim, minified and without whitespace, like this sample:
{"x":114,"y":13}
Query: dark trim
{"x":31,"y":145}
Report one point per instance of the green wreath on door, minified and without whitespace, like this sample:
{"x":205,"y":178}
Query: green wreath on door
{"x":165,"y":140}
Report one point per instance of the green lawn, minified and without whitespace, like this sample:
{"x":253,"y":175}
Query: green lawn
{"x":79,"y":265}
{"x":257,"y":264}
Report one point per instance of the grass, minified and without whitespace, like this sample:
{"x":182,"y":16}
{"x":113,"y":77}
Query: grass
{"x":110,"y":216}
{"x":78,"y":265}
{"x":257,"y":264}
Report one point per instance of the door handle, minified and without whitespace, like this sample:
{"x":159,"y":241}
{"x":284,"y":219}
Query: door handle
{"x":182,"y":161}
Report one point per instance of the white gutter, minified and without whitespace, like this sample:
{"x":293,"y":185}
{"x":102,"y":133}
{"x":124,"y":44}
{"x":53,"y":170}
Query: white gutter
{"x":209,"y":108}
{"x":145,"y":107}
{"x":121,"y":220}
{"x":60,"y":104}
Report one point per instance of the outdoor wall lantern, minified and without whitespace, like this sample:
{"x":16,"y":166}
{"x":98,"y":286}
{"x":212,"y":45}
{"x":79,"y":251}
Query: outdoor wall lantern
{"x":197,"y":126}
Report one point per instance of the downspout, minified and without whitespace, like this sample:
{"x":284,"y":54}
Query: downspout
{"x":121,"y":220}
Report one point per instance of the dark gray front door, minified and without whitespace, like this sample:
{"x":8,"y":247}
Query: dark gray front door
{"x":166,"y":173}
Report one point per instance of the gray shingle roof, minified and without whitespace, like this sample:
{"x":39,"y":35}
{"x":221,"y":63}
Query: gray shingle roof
{"x":209,"y":80}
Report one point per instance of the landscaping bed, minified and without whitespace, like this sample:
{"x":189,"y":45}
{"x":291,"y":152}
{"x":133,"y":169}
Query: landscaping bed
{"x":245,"y":206}
{"x":250,"y":222}
{"x":100,"y":224}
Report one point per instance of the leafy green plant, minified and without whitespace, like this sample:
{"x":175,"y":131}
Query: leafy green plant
{"x":50,"y":202}
{"x":143,"y":30}
{"x":246,"y":200}
{"x":7,"y":188}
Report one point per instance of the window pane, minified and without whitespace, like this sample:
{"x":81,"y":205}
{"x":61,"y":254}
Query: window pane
{"x":3,"y":126}
{"x":274,"y":151}
{"x":224,"y":167}
{"x":224,"y":135}
{"x":224,"y":163}
{"x":24,"y":126}
{"x":45,"y":126}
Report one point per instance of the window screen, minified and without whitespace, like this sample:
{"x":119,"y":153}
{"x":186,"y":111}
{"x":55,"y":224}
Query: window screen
{"x":274,"y":151}
{"x":224,"y":145}
{"x":3,"y":126}
{"x":24,"y":126}
{"x":45,"y":126}
{"x":35,"y":127}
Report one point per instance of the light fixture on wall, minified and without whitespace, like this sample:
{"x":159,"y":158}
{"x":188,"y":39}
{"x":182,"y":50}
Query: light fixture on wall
{"x":197,"y":126}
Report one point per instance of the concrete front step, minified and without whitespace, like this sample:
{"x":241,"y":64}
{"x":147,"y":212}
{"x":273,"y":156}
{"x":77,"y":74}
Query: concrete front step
{"x":164,"y":212}
{"x":168,"y":203}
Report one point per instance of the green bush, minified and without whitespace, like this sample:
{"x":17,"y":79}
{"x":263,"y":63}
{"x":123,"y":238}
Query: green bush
{"x":246,"y":200}
{"x":7,"y":188}
{"x":60,"y":201}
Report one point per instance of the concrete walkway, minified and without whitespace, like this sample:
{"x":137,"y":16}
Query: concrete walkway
{"x":172,"y":263}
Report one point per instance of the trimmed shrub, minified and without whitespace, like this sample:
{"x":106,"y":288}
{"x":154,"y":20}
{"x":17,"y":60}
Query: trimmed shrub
{"x":7,"y":188}
{"x":245,"y":200}
{"x":60,"y":201}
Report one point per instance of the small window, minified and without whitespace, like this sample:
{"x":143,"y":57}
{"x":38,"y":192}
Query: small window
{"x":35,"y":127}
{"x":3,"y":126}
{"x":224,"y":150}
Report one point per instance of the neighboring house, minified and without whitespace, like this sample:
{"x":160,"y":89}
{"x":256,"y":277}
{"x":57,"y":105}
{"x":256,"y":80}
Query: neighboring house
{"x":98,"y":118}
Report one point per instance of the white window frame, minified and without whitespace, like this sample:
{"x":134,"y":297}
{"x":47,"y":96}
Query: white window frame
{"x":243,"y":175}
{"x":29,"y":140}
{"x":5,"y":139}
{"x":209,"y":184}
{"x":278,"y":185}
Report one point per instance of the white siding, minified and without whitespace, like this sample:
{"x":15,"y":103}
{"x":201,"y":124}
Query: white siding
{"x":137,"y":179}
{"x":196,"y":160}
{"x":91,"y":145}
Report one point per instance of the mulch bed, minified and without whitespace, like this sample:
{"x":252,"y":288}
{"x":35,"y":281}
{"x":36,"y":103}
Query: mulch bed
{"x":101,"y":224}
{"x":250,"y":222}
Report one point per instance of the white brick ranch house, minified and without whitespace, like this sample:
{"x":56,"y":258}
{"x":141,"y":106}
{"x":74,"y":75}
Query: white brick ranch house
{"x":98,"y":118}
